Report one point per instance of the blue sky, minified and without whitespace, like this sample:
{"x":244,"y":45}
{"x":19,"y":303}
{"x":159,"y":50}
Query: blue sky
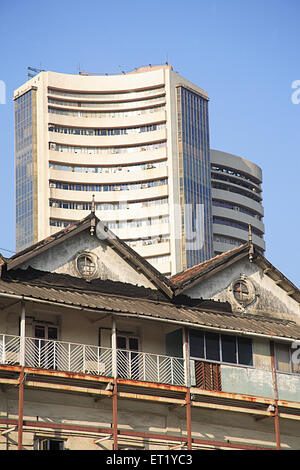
{"x":244,"y":53}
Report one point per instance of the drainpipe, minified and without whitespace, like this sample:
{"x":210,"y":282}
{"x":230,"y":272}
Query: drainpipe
{"x":275,"y":387}
{"x":186,"y":355}
{"x":114,"y":371}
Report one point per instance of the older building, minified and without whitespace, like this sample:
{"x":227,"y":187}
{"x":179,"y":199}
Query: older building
{"x":139,"y":141}
{"x":236,"y":201}
{"x":99,"y":350}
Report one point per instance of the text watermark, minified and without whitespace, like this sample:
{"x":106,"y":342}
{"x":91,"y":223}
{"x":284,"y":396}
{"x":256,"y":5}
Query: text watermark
{"x":296,"y":94}
{"x":193,"y":218}
{"x":2,"y":92}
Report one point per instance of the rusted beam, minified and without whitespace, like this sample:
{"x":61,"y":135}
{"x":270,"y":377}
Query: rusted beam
{"x":238,"y":409}
{"x":140,"y":396}
{"x":233,"y":396}
{"x":21,"y":410}
{"x":68,"y":388}
{"x":155,"y":385}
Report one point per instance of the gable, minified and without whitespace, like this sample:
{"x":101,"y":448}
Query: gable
{"x":262,"y":295}
{"x":90,"y":250}
{"x":63,"y":259}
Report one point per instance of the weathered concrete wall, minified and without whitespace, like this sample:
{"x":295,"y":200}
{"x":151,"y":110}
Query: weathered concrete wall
{"x":288,"y":387}
{"x":257,"y":382}
{"x":110,"y":265}
{"x":269,"y":299}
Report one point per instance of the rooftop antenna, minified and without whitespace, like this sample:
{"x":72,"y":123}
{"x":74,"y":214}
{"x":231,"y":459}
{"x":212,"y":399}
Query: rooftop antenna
{"x":32,"y":72}
{"x":251,"y":249}
{"x":93,"y":204}
{"x":93,"y":222}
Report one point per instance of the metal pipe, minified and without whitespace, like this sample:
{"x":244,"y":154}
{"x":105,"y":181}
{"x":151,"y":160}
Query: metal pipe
{"x":115,"y":391}
{"x":275,"y":387}
{"x":22,"y":334}
{"x":21,"y":409}
{"x":188,"y":419}
{"x":115,"y":415}
{"x":7,"y":431}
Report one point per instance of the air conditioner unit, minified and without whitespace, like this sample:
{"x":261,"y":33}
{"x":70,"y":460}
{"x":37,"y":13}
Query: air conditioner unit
{"x":94,"y":367}
{"x":12,"y":357}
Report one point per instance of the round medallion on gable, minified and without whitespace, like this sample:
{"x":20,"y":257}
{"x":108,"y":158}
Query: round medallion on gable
{"x":243,"y":291}
{"x":86,"y":265}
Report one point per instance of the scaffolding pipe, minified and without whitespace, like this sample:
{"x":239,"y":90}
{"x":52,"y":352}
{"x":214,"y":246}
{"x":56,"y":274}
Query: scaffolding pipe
{"x":115,"y":390}
{"x":22,"y":334}
{"x":21,"y":404}
{"x":188,"y":419}
{"x":276,"y":414}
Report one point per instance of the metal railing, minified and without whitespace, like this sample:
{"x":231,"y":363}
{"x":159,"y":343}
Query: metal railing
{"x":149,"y":367}
{"x":82,"y":358}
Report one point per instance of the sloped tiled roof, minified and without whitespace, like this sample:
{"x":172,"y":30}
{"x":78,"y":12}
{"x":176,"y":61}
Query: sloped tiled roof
{"x":138,"y":303}
{"x":184,"y":278}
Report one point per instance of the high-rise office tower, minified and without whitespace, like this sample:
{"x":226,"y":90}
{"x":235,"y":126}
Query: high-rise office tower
{"x":236,"y":201}
{"x":137,"y":141}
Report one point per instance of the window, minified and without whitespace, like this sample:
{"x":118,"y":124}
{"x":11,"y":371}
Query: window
{"x":285,"y":359}
{"x":243,"y":291}
{"x":240,"y":291}
{"x":49,"y":444}
{"x":221,"y":348}
{"x":86,"y":265}
{"x":128,"y":358}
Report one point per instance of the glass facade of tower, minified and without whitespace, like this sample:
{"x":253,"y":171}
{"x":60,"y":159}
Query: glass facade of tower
{"x":195,"y":176}
{"x":24,"y":171}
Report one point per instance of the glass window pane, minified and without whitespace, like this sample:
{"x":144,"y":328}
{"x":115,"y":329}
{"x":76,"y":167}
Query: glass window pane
{"x":52,"y":332}
{"x":197,"y":344}
{"x":282,"y":358}
{"x":212,"y":346}
{"x":121,"y":342}
{"x":245,"y":351}
{"x":228,"y":348}
{"x":39,"y":331}
{"x":133,"y":344}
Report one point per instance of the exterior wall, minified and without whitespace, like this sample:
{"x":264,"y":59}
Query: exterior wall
{"x":62,"y":408}
{"x":236,"y":199}
{"x":74,"y":111}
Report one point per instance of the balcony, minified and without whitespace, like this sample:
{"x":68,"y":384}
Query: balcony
{"x":147,"y":367}
{"x":82,"y":358}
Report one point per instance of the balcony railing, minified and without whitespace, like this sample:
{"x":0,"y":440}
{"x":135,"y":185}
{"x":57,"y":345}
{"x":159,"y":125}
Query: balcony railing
{"x":81,"y":358}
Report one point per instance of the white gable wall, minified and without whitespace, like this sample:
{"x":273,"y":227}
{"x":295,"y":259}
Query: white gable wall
{"x":270,"y":299}
{"x":110,"y":265}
